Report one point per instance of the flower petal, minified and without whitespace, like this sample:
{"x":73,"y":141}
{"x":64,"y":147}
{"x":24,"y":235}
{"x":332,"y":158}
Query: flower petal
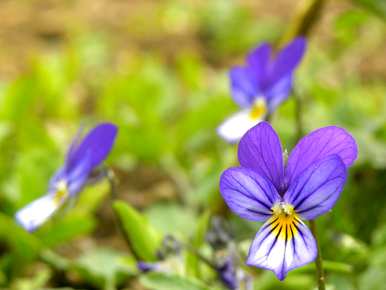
{"x":244,"y":86}
{"x":37,"y":212}
{"x":318,"y":145}
{"x":98,"y":142}
{"x":281,"y":247}
{"x":279,"y":92}
{"x":78,"y":176}
{"x":258,"y":60}
{"x":260,"y":149}
{"x":288,"y":59}
{"x":317,"y":189}
{"x":248,"y":194}
{"x":247,"y":81}
{"x":236,"y":126}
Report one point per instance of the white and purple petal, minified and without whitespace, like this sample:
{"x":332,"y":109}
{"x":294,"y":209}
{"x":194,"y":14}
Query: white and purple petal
{"x":37,"y":212}
{"x":281,"y":247}
{"x":319,"y":144}
{"x":248,"y":194}
{"x":317,"y":189}
{"x":260,"y":149}
{"x":233,"y":128}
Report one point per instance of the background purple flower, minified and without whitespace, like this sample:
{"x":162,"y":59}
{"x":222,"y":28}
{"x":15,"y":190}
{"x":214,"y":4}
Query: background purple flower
{"x":282,"y":195}
{"x":261,"y":85}
{"x":82,"y":157}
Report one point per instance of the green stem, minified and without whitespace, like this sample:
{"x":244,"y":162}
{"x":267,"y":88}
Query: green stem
{"x":319,"y":260}
{"x":305,"y":17}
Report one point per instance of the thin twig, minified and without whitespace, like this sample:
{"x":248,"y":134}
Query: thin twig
{"x":299,"y":134}
{"x":319,"y":260}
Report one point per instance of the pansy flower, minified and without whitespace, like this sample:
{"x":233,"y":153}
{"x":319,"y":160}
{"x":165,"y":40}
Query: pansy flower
{"x":82,"y":158}
{"x":260,"y":86}
{"x":283,"y":196}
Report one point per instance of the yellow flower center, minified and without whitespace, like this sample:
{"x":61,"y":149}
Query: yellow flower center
{"x":61,"y":191}
{"x":258,"y":109}
{"x":284,"y":221}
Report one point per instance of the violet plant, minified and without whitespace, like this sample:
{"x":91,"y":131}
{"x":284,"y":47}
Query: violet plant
{"x":83,"y":156}
{"x":283,"y":195}
{"x":260,"y":86}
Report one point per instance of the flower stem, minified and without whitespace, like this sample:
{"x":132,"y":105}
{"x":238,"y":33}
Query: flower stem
{"x":306,"y":15}
{"x":319,"y":260}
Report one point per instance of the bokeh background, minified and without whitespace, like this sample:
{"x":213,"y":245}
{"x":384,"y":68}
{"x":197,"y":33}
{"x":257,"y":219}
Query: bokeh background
{"x":158,"y":69}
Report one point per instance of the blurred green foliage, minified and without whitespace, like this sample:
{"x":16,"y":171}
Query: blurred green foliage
{"x":167,"y":109}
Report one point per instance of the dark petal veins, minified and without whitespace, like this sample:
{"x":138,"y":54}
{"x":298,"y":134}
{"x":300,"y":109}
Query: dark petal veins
{"x":282,"y":249}
{"x":318,"y":145}
{"x":316,"y":190}
{"x":247,"y":193}
{"x":260,"y":150}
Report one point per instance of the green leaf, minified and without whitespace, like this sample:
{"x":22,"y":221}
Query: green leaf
{"x":183,"y":219}
{"x":376,"y":6}
{"x":163,"y":281}
{"x":92,"y":197}
{"x":64,"y":230}
{"x":23,"y":246}
{"x":142,"y":237}
{"x":103,"y":266}
{"x":37,"y":281}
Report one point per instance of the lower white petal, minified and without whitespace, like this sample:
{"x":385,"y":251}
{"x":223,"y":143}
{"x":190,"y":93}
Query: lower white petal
{"x":37,"y":212}
{"x":236,"y":126}
{"x":281,"y":246}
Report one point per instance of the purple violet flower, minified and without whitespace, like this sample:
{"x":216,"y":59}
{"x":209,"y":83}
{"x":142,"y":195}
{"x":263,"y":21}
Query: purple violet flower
{"x":147,"y":267}
{"x":282,"y":195}
{"x":227,"y":274}
{"x":82,"y":157}
{"x":260,"y":86}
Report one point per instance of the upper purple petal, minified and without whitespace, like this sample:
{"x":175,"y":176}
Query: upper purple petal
{"x":258,"y":60}
{"x":317,"y":189}
{"x":287,"y":59}
{"x":244,"y":86}
{"x":279,"y":92}
{"x":247,"y":81}
{"x":248,"y":194}
{"x":260,"y":150}
{"x":77,"y":177}
{"x":319,"y":144}
{"x":98,"y":142}
{"x":280,"y":247}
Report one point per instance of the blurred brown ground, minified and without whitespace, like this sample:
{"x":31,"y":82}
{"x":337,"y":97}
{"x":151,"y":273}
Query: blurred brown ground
{"x":29,"y":28}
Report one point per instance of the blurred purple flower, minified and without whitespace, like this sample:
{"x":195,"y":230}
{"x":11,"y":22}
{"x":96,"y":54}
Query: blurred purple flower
{"x":82,"y":158}
{"x":282,"y":195}
{"x":227,"y":274}
{"x":260,"y":86}
{"x":147,"y":267}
